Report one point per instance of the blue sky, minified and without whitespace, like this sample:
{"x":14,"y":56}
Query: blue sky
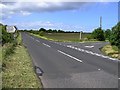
{"x":66,"y":16}
{"x":119,"y":11}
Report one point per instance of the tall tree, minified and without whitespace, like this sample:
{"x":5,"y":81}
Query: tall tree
{"x":42,"y":29}
{"x":115,"y":36}
{"x":98,"y":34}
{"x":108,"y":34}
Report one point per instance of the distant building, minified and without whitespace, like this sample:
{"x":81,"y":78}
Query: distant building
{"x":10,"y":29}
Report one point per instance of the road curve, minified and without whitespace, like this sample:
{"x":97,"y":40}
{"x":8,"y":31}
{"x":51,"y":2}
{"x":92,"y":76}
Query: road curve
{"x":66,"y":67}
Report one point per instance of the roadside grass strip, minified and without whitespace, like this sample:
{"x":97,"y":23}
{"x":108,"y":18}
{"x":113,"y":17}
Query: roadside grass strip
{"x":0,"y":56}
{"x":19,"y":72}
{"x":17,"y":68}
{"x":111,"y":51}
{"x":0,"y":67}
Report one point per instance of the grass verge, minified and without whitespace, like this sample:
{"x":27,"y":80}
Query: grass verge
{"x":0,"y":67}
{"x":43,"y":37}
{"x":0,"y":56}
{"x":111,"y":51}
{"x":18,"y":71}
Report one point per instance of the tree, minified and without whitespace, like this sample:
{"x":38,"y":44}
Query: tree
{"x":41,"y":33}
{"x":98,"y":34}
{"x":60,"y":31}
{"x":108,"y":34}
{"x":54,"y":31}
{"x":49,"y":31}
{"x":115,"y":35}
{"x":42,"y":29}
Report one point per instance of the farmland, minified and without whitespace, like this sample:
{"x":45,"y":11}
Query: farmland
{"x":70,"y":37}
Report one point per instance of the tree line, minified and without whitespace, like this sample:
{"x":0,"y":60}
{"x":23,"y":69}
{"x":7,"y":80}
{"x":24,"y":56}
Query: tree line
{"x":44,"y":30}
{"x":49,"y":31}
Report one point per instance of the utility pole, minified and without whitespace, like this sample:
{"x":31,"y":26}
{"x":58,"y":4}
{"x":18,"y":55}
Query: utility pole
{"x":80,"y":35}
{"x":101,"y":22}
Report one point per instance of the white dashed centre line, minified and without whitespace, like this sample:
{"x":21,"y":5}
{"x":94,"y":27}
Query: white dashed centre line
{"x":70,"y":56}
{"x":32,"y":37}
{"x":37,"y":40}
{"x":99,"y":69}
{"x":46,"y":45}
{"x":89,"y":46}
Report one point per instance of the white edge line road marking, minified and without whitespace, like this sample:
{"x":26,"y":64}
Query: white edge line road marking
{"x":46,"y":45}
{"x":70,"y":56}
{"x":37,"y":40}
{"x":89,"y":46}
{"x":75,"y":48}
{"x":69,"y":46}
{"x":99,"y":69}
{"x":92,"y":53}
{"x":32,"y":37}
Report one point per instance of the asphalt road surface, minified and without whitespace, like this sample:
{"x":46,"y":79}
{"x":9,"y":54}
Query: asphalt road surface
{"x":72,"y":65}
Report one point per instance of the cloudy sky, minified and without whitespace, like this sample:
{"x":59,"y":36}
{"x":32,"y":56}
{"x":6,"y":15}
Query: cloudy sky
{"x":67,"y":16}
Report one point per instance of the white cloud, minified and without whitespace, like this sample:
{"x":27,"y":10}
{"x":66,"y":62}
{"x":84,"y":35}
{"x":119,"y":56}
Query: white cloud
{"x":60,"y":0}
{"x":27,"y":8}
{"x":46,"y":24}
{"x":25,"y":13}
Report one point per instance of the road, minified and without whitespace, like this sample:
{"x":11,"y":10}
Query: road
{"x":68,"y":66}
{"x":91,"y":46}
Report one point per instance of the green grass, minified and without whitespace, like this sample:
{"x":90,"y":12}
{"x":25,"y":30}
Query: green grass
{"x":66,"y":37}
{"x":111,"y":51}
{"x":19,"y":39}
{"x":18,"y":71}
{"x":63,"y":36}
{"x":0,"y":54}
{"x":0,"y":67}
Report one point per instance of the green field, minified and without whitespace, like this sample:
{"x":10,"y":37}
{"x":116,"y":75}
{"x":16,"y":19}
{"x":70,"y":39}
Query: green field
{"x":65,"y":36}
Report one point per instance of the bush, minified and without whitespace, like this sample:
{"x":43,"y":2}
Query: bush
{"x":89,"y":37}
{"x":115,"y":36}
{"x":108,"y":34}
{"x":98,"y":34}
{"x":6,"y":37}
{"x":41,"y":33}
{"x":42,"y":29}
